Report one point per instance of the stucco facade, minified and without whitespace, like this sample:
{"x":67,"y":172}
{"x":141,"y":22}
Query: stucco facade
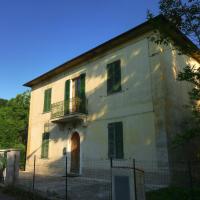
{"x":150,"y":105}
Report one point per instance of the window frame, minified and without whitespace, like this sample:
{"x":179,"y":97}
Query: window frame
{"x":47,"y":100}
{"x":117,"y":153}
{"x":114,"y":81}
{"x":44,"y":141}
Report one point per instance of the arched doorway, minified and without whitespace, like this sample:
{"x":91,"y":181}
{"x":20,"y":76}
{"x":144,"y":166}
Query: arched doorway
{"x":75,"y":153}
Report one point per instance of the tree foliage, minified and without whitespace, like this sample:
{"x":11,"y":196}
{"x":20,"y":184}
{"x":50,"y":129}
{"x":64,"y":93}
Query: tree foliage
{"x":14,"y":121}
{"x":3,"y":102}
{"x":191,"y":126}
{"x":185,"y":16}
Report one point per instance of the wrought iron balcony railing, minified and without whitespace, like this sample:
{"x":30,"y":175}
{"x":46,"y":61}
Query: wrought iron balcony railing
{"x":72,"y":106}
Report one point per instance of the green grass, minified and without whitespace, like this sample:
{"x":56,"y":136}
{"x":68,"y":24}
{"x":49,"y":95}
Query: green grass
{"x":21,"y":194}
{"x":173,"y":193}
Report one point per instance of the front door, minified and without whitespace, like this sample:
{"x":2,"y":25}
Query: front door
{"x":75,"y":153}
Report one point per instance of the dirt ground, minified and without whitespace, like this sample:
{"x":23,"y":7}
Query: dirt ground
{"x":5,"y":197}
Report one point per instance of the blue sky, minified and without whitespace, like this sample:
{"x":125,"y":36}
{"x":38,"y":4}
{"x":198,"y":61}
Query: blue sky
{"x":38,"y":35}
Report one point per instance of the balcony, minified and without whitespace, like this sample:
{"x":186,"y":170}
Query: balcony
{"x":70,"y":110}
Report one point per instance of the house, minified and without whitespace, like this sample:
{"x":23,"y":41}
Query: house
{"x":120,"y":99}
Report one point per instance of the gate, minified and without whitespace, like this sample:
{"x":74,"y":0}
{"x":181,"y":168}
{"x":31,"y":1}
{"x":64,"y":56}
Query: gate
{"x":9,"y":166}
{"x":2,"y":166}
{"x":127,"y":181}
{"x":105,"y":180}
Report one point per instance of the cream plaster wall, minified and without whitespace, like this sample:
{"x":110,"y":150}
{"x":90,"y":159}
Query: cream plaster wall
{"x":170,"y":97}
{"x":177,"y":98}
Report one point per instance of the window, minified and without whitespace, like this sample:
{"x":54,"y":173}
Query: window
{"x":47,"y":100}
{"x":76,"y":101}
{"x":115,"y":140}
{"x":45,"y":145}
{"x":114,"y":77}
{"x":79,"y":87}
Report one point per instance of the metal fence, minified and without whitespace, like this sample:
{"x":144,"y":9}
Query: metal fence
{"x":95,"y":180}
{"x":67,"y":107}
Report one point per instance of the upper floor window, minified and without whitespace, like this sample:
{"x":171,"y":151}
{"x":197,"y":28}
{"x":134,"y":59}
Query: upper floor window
{"x":75,"y":99}
{"x":115,"y":140}
{"x":47,"y":100}
{"x":114,"y":77}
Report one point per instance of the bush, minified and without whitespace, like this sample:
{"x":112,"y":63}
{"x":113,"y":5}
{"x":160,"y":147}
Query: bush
{"x":173,"y":193}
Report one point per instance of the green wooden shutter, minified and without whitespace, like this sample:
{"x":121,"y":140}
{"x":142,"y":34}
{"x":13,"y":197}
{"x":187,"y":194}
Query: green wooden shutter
{"x":119,"y":140}
{"x":47,"y":100}
{"x":67,"y":90}
{"x":109,"y":78}
{"x":111,"y":140}
{"x":114,"y":77}
{"x":82,"y":77}
{"x":45,"y":145}
{"x":67,"y":96}
{"x":117,"y":76}
{"x":82,"y":105}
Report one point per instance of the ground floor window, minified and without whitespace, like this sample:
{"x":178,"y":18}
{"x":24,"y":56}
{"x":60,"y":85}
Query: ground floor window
{"x":115,"y":140}
{"x":45,"y":145}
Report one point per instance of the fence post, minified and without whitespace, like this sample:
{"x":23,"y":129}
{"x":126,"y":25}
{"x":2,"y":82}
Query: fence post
{"x":33,"y":186}
{"x":66,"y":178}
{"x":190,"y":179}
{"x":111,"y":166}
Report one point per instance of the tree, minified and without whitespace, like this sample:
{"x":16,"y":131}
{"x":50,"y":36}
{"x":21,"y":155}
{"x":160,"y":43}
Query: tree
{"x":14,"y":122}
{"x":3,"y":102}
{"x":192,"y":125}
{"x":185,"y":16}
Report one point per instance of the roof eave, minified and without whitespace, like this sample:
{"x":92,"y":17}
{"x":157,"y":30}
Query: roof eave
{"x":137,"y":31}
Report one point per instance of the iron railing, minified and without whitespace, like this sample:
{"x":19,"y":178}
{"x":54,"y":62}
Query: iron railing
{"x":71,"y":106}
